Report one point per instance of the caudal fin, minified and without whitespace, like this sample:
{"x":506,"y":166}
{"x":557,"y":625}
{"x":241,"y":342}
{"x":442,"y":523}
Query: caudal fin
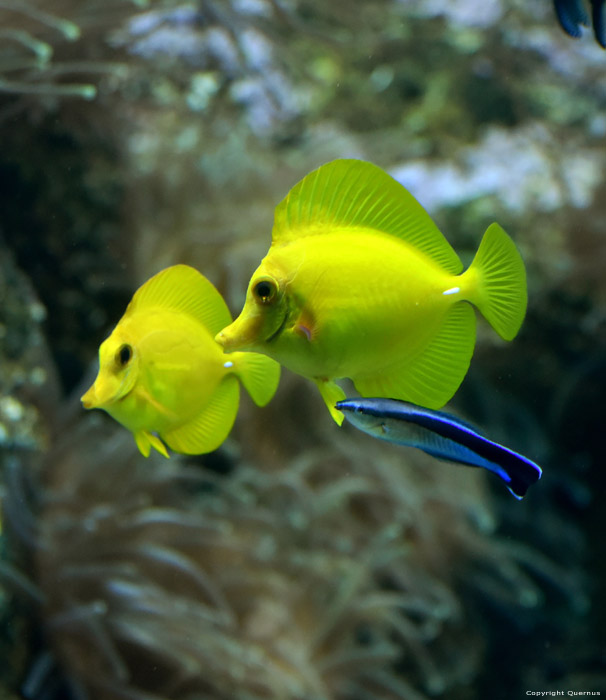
{"x":258,"y":373}
{"x":497,"y":282}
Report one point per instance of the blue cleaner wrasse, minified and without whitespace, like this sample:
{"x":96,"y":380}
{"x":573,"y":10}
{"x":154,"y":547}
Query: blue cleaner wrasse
{"x":163,"y":376}
{"x":359,"y":282}
{"x":440,"y":435}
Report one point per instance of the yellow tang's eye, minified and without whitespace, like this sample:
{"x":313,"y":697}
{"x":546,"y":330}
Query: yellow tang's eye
{"x":265,"y":290}
{"x":124,"y":355}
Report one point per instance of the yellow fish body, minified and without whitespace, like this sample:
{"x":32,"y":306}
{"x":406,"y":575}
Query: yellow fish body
{"x":163,"y":376}
{"x":360,"y":283}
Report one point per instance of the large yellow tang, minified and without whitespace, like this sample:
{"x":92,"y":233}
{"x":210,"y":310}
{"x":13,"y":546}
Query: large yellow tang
{"x":162,"y":375}
{"x":360,"y":283}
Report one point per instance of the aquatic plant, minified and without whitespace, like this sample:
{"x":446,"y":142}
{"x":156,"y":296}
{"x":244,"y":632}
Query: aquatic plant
{"x":50,"y":53}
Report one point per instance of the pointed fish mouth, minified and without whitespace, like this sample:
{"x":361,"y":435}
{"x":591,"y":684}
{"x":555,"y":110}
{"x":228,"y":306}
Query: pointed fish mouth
{"x":89,"y":399}
{"x":237,"y":336}
{"x":247,"y":334}
{"x":228,"y":341}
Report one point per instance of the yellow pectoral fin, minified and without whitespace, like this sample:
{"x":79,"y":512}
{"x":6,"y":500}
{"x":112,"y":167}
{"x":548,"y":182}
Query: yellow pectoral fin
{"x":331,"y":393}
{"x":145,"y":441}
{"x":258,"y":373}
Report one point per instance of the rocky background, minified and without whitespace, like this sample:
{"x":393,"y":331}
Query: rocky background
{"x":300,"y":560}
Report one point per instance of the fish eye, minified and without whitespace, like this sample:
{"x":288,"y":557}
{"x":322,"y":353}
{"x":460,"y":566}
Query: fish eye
{"x":124,"y":355}
{"x":265,"y":290}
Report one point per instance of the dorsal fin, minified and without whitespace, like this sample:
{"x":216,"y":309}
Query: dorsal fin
{"x":359,"y":194}
{"x":182,"y":288}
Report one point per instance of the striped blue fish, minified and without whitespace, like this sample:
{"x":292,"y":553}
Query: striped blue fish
{"x":441,"y":435}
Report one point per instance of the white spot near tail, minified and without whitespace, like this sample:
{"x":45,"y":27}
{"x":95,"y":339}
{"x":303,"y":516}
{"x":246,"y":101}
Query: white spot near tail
{"x":228,"y":364}
{"x":452,"y":290}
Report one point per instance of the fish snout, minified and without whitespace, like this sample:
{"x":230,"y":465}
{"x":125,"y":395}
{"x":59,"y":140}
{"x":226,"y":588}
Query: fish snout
{"x":223,"y":339}
{"x":236,"y":336}
{"x":89,"y":399}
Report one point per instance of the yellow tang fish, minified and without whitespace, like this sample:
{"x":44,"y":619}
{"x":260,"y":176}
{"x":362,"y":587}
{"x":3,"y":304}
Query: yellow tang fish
{"x":360,"y":283}
{"x":161,"y":373}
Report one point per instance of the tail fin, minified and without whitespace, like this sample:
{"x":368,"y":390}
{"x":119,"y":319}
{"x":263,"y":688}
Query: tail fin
{"x":259,"y":374}
{"x":497,"y":282}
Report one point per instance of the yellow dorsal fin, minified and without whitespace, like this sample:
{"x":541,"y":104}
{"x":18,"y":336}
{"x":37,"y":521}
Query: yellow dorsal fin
{"x":359,"y":194}
{"x":432,"y":377}
{"x":208,"y":430}
{"x":258,"y":373}
{"x":182,"y":288}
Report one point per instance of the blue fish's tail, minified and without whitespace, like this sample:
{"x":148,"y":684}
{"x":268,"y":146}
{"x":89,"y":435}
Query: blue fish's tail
{"x":571,"y":15}
{"x":518,"y":472}
{"x":448,"y":438}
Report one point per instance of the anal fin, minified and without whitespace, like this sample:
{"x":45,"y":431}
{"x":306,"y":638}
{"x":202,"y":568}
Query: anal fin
{"x":434,"y":374}
{"x":210,"y":427}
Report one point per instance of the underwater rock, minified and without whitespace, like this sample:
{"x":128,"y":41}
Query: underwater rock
{"x":29,"y":392}
{"x":28,"y":382}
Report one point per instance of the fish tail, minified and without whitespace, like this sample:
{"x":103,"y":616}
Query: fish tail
{"x":521,"y":472}
{"x":496,"y":282}
{"x":258,"y":373}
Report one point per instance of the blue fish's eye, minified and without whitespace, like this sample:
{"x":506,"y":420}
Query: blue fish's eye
{"x":124,"y":355}
{"x":265,"y":291}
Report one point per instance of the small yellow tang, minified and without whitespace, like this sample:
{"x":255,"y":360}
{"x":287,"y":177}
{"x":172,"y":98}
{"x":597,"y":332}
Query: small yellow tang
{"x":360,"y":283}
{"x":161,"y":373}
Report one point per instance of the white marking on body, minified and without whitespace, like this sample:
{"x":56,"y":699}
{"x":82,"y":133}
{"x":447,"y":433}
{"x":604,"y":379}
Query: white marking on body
{"x":228,"y":364}
{"x":452,"y":290}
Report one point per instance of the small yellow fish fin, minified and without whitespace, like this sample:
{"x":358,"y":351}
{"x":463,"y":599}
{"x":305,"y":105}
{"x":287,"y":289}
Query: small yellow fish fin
{"x":432,"y":377}
{"x":355,"y":193}
{"x":208,"y":430}
{"x":496,"y":282}
{"x":258,"y":373}
{"x":182,"y":288}
{"x":331,"y":393}
{"x":146,"y":440}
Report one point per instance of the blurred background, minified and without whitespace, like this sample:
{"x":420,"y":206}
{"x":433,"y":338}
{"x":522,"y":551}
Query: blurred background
{"x":300,"y":560}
